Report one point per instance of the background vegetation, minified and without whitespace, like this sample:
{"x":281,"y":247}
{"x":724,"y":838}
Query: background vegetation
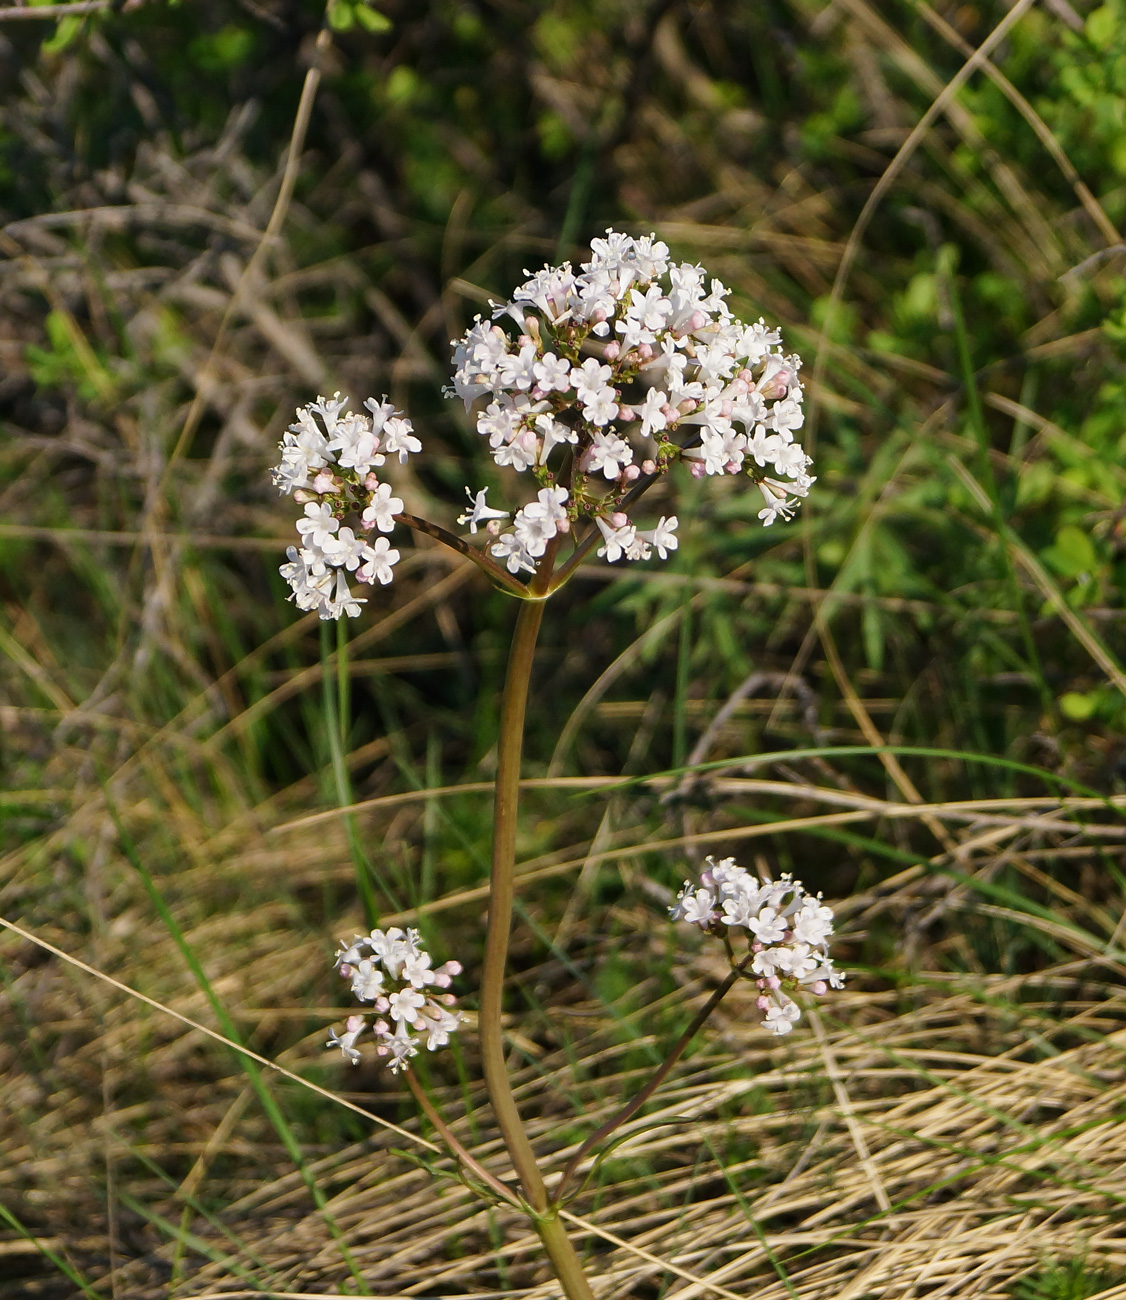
{"x":178,"y":742}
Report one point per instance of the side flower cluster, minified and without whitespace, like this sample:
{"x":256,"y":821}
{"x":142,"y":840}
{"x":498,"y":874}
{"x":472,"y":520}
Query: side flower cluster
{"x":787,"y":932}
{"x":330,"y":459}
{"x":391,"y":970}
{"x":616,"y":372}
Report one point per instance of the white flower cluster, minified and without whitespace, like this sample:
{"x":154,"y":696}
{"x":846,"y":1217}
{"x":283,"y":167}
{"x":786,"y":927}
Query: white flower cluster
{"x":329,"y":466}
{"x":391,"y":969}
{"x":616,"y":372}
{"x":787,"y":931}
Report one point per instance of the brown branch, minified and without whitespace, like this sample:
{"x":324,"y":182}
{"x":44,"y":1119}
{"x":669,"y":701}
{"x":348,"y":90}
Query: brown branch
{"x":56,"y":11}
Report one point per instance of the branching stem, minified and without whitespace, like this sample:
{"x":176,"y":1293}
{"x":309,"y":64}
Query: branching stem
{"x":630,"y":1109}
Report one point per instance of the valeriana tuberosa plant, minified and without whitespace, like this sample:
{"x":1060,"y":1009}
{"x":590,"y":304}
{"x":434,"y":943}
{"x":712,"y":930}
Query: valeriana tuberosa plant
{"x":590,"y":386}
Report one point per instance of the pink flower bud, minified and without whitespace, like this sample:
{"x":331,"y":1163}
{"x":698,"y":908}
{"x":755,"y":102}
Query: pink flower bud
{"x":649,"y":467}
{"x":563,"y":525}
{"x":381,"y":1027}
{"x":353,"y":1023}
{"x":645,"y":351}
{"x":324,"y":482}
{"x":819,"y":988}
{"x":346,"y":971}
{"x":371,"y":481}
{"x":773,"y":982}
{"x":626,"y":414}
{"x":613,"y":350}
{"x":618,"y":519}
{"x":698,"y":320}
{"x":303,"y":498}
{"x":494,"y":527}
{"x":762,"y":1003}
{"x":630,"y":473}
{"x":696,"y":469}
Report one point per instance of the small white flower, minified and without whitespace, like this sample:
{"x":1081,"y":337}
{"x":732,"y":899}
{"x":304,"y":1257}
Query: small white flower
{"x":378,"y":560}
{"x":346,"y":1041}
{"x":552,"y":373}
{"x":608,"y":453}
{"x":381,"y":509}
{"x":653,"y":418}
{"x":513,"y":552}
{"x":663,"y":537}
{"x":617,"y":540}
{"x":398,"y":436}
{"x":481,"y":511}
{"x":318,"y":525}
{"x":345,"y":550}
{"x":698,"y":908}
{"x":781,"y":1017}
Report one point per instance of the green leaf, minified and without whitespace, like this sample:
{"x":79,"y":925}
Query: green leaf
{"x":1078,"y":707}
{"x":372,"y":20}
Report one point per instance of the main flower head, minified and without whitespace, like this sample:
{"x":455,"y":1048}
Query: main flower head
{"x":391,"y":969}
{"x":593,"y":383}
{"x":787,"y":932}
{"x":607,"y":376}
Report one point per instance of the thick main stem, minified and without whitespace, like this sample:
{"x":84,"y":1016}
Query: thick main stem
{"x":502,"y":890}
{"x":564,"y":1259}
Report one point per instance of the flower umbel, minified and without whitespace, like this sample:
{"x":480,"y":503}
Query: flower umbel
{"x":787,"y":933}
{"x":619,"y":370}
{"x":594,"y":382}
{"x":329,"y":462}
{"x":391,"y":970}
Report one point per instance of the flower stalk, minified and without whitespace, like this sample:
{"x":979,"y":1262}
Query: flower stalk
{"x":595,"y":384}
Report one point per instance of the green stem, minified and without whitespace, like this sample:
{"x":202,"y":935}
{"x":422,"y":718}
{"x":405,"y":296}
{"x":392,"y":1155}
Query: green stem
{"x":501,"y":894}
{"x":456,"y":1148}
{"x":630,"y":1109}
{"x":455,"y":543}
{"x":564,"y":1259}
